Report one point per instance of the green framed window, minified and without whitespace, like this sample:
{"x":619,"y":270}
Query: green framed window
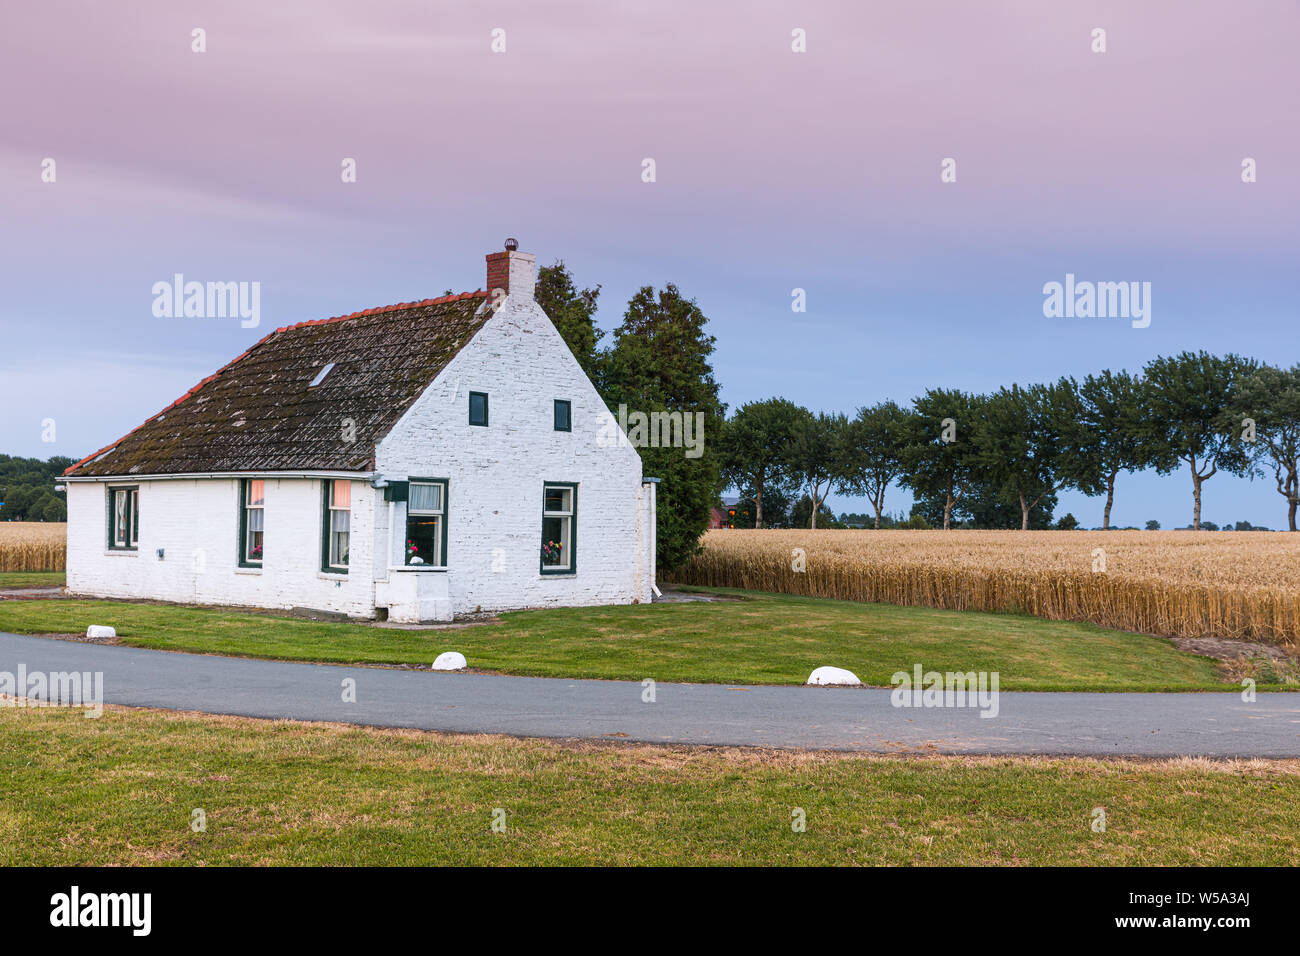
{"x":563,"y":415}
{"x":426,"y":523}
{"x":559,"y":527}
{"x":478,"y":408}
{"x":124,"y":518}
{"x":252,"y":521}
{"x":336,"y":527}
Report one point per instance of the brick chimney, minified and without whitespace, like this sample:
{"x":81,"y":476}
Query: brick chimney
{"x":512,"y":271}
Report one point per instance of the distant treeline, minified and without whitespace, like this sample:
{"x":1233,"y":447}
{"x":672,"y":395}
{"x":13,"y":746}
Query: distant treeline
{"x":27,"y":489}
{"x":998,"y":460}
{"x":1067,"y":522}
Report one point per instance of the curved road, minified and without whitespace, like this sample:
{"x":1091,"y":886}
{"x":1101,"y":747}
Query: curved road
{"x":1198,"y":724}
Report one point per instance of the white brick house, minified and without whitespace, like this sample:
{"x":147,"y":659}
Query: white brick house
{"x":415,"y":461}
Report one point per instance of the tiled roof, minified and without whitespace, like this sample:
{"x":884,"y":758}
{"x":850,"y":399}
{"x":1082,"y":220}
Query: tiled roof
{"x":260,"y":412}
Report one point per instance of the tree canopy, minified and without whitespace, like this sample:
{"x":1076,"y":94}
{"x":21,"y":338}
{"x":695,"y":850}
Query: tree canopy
{"x":27,"y":489}
{"x":1190,"y":417}
{"x":756,"y":450}
{"x":660,"y":362}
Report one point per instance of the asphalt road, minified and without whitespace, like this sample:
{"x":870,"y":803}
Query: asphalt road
{"x":1197,"y":724}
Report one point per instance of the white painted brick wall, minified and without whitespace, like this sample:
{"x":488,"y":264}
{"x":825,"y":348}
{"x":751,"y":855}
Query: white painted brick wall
{"x":196,"y":522}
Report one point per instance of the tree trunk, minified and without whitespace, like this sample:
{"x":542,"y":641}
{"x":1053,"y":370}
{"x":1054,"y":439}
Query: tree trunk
{"x":1292,"y":495}
{"x":947,"y":511}
{"x":1196,"y":498}
{"x":812,"y":496}
{"x":1110,"y":500}
{"x":758,"y":506}
{"x":1024,"y":514}
{"x":1292,"y":518}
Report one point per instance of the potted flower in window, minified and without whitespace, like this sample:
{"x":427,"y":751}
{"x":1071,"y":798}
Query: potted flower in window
{"x":413,"y":553}
{"x":551,"y":551}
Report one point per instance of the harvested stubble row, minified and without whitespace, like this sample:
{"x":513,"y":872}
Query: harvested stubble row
{"x":33,"y":546}
{"x":1169,"y":583}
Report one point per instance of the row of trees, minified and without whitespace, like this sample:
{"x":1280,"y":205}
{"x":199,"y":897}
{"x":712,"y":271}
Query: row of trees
{"x":984,"y":457}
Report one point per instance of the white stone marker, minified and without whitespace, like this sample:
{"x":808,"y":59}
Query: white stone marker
{"x":450,"y":661}
{"x":833,"y":676}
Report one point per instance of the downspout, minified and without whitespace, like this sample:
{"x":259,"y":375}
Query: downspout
{"x":379,"y":483}
{"x":651,"y":540}
{"x":388,"y":558}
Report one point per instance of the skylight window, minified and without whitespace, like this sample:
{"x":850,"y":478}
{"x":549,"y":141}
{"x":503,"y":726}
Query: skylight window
{"x":320,"y":376}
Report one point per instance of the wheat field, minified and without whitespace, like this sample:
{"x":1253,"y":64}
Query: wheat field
{"x":1238,"y":584}
{"x":33,"y":546}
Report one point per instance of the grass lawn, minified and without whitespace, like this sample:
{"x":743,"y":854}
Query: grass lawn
{"x":763,"y":639}
{"x":32,"y":579}
{"x":121,"y":790}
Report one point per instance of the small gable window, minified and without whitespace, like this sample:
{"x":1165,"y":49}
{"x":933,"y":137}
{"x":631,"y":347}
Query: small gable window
{"x":563,"y":415}
{"x":123,"y":518}
{"x":478,"y":408}
{"x":252,"y":508}
{"x":426,"y":523}
{"x":337,"y":526}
